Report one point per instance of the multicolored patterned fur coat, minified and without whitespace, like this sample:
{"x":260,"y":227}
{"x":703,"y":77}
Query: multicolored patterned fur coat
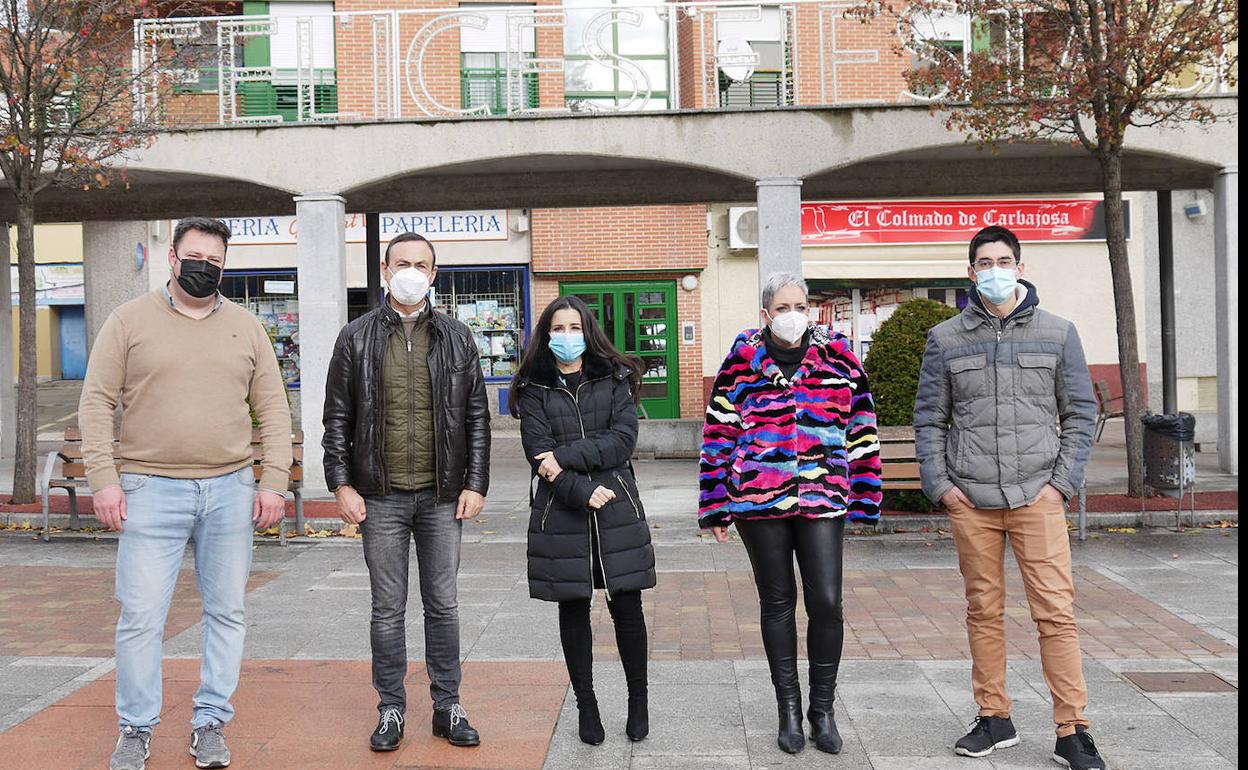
{"x":774,"y":448}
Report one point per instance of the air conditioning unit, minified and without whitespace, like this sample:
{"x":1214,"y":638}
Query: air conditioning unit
{"x":743,"y":227}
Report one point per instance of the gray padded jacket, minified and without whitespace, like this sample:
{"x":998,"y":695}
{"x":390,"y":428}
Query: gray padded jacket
{"x":1004,"y":406}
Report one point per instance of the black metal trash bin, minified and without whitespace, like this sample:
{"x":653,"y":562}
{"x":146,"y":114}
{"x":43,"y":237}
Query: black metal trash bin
{"x":1170,"y":456}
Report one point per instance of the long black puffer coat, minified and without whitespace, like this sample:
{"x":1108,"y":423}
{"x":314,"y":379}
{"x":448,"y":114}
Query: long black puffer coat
{"x":592,"y":431}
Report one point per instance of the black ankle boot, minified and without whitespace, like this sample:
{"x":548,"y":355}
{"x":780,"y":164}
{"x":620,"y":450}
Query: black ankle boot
{"x":823,"y":730}
{"x":590,"y":721}
{"x":638,"y":718}
{"x":790,"y":738}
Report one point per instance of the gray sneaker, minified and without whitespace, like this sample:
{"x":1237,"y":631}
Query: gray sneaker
{"x":132,"y":749}
{"x":208,"y":746}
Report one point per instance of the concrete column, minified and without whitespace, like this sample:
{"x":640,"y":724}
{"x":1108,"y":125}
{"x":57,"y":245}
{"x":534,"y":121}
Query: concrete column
{"x":1226,"y":318}
{"x":110,"y":268}
{"x":8,"y":386}
{"x":321,"y":255}
{"x":779,"y":227}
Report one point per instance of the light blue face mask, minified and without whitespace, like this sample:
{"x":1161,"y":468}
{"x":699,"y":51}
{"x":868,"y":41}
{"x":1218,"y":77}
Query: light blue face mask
{"x":567,"y":346}
{"x":997,"y":284}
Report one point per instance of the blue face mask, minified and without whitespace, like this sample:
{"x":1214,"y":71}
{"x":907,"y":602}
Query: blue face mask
{"x":996,"y":284}
{"x":567,"y":346}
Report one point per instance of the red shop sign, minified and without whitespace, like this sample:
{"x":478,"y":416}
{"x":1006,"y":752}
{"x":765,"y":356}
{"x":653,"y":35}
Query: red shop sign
{"x":919,"y":222}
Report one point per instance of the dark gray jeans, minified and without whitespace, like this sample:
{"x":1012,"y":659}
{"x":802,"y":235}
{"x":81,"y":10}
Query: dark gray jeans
{"x":391,"y":525}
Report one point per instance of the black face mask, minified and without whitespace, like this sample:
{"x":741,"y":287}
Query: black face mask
{"x":199,"y":277}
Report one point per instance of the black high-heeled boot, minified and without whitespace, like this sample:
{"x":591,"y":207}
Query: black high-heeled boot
{"x":589,"y":722}
{"x":823,"y":730}
{"x":790,"y":737}
{"x":638,"y":726}
{"x":822,"y":713}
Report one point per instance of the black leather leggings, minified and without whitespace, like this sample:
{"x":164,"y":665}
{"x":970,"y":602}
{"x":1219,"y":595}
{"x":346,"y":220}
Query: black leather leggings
{"x":817,"y":543}
{"x":578,"y":643}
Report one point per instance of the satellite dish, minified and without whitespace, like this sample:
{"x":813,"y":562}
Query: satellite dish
{"x":736,"y":58}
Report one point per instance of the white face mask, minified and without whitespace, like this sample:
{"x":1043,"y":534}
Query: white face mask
{"x":789,"y":326}
{"x":409,"y":286}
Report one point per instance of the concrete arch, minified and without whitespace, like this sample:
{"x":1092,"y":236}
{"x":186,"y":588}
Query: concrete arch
{"x":156,"y":194}
{"x":548,"y":181}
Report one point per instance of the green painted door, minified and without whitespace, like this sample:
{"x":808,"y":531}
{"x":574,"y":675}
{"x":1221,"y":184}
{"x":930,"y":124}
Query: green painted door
{"x":640,"y":317}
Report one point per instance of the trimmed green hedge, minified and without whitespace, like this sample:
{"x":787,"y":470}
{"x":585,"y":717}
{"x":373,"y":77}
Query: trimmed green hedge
{"x":892,"y":364}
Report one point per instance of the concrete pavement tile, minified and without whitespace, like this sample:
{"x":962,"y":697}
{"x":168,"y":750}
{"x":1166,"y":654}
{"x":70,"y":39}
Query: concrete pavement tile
{"x":696,"y":734}
{"x":1130,"y":759}
{"x":1213,"y":717}
{"x":921,"y":762}
{"x":1161,"y":735}
{"x":719,"y":762}
{"x":766,"y":755}
{"x":897,"y":671}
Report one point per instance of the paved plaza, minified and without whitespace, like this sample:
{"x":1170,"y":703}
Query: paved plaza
{"x":1148,"y":601}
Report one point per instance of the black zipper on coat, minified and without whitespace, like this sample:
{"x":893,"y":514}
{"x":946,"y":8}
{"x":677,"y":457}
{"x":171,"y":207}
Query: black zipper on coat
{"x":624,"y":486}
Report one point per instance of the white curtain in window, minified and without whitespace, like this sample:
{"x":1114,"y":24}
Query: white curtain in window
{"x":283,"y":51}
{"x":493,"y":39}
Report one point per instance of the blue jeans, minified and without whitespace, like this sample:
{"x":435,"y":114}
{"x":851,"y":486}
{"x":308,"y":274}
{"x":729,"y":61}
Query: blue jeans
{"x":392,"y":524}
{"x":162,"y":515}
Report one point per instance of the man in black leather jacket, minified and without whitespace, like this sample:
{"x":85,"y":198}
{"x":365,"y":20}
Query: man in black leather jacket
{"x":407,"y":455}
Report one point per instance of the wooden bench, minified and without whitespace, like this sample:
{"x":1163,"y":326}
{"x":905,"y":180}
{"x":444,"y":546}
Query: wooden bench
{"x":1105,"y":409}
{"x":73,"y":477}
{"x":898,"y":464}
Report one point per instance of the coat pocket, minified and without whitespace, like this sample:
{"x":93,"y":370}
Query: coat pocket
{"x":1037,"y":374}
{"x":970,"y":376}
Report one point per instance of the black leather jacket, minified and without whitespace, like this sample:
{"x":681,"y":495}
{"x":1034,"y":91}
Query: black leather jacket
{"x":354,"y":406}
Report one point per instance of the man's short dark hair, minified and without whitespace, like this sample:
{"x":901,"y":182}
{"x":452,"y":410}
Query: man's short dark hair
{"x":205,"y":225}
{"x":996,"y":234}
{"x":403,"y":237}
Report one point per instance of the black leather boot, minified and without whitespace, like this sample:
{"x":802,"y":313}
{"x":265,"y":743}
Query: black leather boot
{"x":823,"y":731}
{"x":638,"y":726}
{"x":790,"y":737}
{"x":822,"y":713}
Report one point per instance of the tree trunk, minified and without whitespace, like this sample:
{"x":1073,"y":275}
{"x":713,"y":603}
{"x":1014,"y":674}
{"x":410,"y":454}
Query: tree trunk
{"x":27,"y":361}
{"x":1124,"y":310}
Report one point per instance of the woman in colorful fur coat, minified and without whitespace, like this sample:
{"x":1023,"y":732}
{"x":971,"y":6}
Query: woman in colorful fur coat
{"x":789,"y":452}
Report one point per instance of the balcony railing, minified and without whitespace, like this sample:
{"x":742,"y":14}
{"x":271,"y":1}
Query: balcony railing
{"x":591,"y":56}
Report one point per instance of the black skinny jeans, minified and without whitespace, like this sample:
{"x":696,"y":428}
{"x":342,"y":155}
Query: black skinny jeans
{"x":818,"y":544}
{"x":578,"y":643}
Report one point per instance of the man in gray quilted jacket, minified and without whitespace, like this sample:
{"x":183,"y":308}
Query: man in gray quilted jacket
{"x":1003,"y":422}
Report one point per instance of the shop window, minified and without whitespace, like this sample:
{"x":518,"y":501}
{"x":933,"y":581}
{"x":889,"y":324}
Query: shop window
{"x":491,"y":303}
{"x":273,"y":297}
{"x":589,"y":85}
{"x":857,"y":312}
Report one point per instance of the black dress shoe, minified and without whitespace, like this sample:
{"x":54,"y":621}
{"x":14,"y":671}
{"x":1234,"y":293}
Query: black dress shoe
{"x":452,"y":724}
{"x":790,"y":738}
{"x":823,"y":731}
{"x":389,"y":732}
{"x":638,"y":726}
{"x":589,"y":722}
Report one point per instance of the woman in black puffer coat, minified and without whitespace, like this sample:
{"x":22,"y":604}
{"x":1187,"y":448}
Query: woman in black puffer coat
{"x":576,"y":397}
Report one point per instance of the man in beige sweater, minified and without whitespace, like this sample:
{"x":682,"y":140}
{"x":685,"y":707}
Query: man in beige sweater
{"x":187,"y":368}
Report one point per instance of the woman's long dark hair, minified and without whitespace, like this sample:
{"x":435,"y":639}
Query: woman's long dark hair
{"x":537,"y":356}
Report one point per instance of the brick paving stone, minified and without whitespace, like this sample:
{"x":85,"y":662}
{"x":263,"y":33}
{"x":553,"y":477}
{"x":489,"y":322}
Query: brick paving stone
{"x":902,"y":614}
{"x":300,"y":713}
{"x":71,"y":612}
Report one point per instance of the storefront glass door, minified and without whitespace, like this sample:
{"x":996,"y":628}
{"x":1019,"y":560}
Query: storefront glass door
{"x":640,"y":317}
